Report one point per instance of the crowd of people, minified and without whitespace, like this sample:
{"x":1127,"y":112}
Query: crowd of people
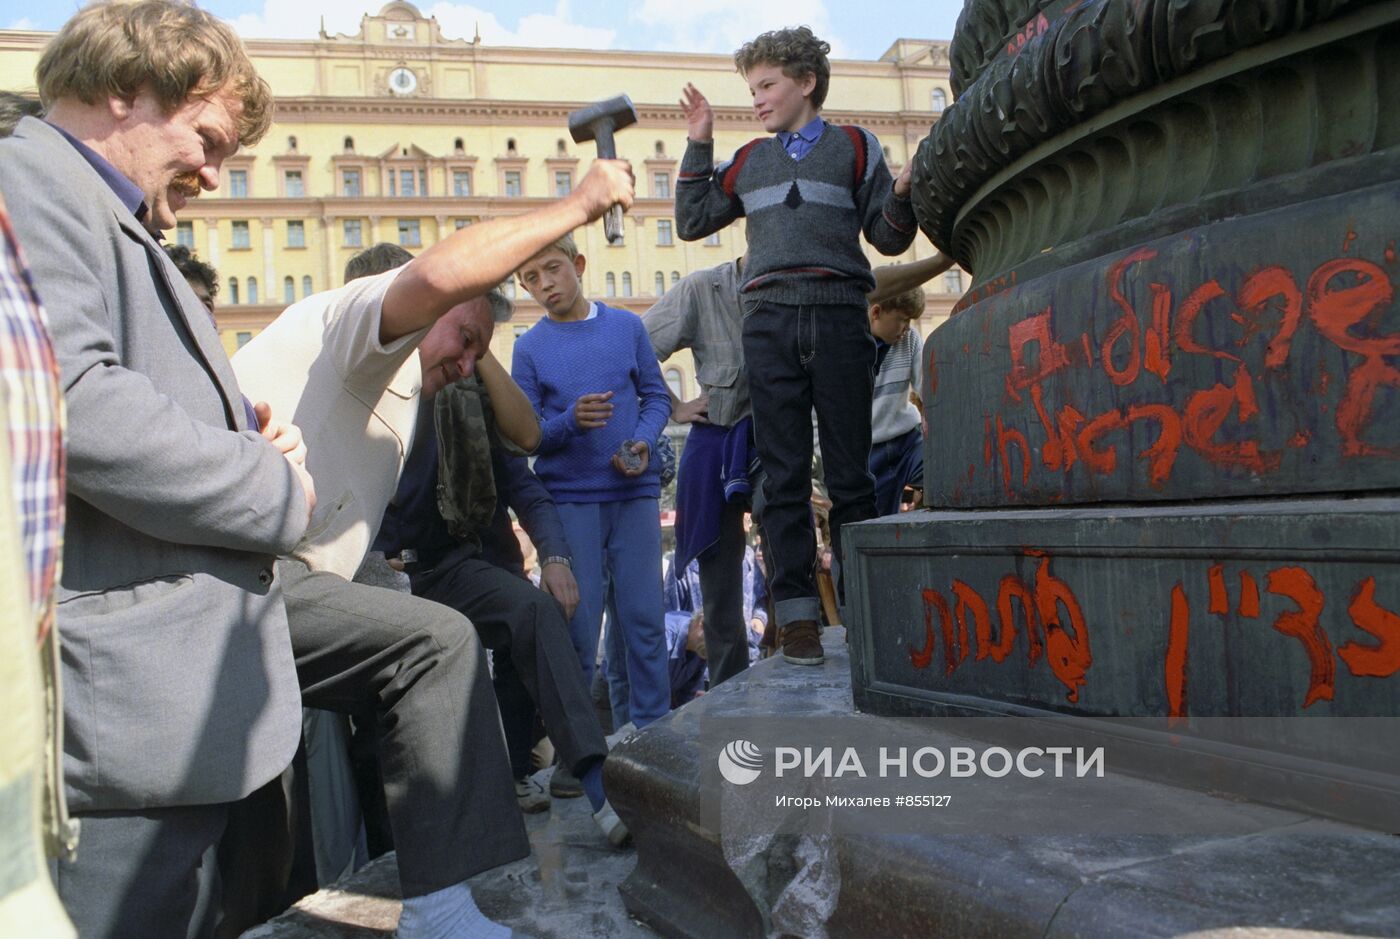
{"x":324,"y":522}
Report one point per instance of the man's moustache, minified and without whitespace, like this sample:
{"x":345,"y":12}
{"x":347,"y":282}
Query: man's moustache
{"x":187,"y":184}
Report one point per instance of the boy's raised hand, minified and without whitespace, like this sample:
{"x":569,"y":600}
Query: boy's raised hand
{"x":904,"y":181}
{"x":607,"y":183}
{"x":699,"y":119}
{"x":592,"y":411}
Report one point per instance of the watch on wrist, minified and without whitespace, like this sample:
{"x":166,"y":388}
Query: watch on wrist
{"x":558,"y":559}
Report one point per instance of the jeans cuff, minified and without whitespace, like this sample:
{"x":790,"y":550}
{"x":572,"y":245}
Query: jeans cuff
{"x":797,"y":608}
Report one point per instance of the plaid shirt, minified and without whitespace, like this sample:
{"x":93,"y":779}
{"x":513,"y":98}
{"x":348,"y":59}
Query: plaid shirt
{"x":31,"y":408}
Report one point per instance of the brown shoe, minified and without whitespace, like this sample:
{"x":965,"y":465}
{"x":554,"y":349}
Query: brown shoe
{"x":802,"y":644}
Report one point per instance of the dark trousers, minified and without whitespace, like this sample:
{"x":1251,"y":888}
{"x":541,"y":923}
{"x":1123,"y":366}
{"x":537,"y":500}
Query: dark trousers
{"x":896,"y":463}
{"x":512,"y":614}
{"x":420,"y":667}
{"x":722,"y":595}
{"x":518,"y":711}
{"x":801,"y":358}
{"x":138,"y":873}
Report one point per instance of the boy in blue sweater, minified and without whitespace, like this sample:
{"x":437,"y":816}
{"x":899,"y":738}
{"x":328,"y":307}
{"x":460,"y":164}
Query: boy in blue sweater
{"x":808,"y":193}
{"x":592,"y":377}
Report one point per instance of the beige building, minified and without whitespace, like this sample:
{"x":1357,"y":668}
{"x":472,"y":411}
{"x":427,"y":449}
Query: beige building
{"x":401,"y":134}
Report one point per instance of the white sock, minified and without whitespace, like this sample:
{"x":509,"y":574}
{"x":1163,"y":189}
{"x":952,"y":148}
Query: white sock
{"x":449,"y":913}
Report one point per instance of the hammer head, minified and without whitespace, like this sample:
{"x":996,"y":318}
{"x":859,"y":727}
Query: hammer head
{"x":610,"y":115}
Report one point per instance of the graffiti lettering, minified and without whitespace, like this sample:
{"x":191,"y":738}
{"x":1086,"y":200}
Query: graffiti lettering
{"x":1223,"y":424}
{"x":1047,"y":613}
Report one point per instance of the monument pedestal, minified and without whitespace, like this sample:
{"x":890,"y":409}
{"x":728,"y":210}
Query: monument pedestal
{"x":699,"y":874}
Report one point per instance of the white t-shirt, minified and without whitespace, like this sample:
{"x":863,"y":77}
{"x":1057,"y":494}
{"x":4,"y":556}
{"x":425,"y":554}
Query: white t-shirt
{"x":321,"y":365}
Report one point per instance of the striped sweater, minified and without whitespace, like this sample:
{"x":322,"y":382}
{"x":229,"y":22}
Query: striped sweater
{"x":805,"y":217}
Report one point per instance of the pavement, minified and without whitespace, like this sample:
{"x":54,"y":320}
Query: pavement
{"x":565,"y":889}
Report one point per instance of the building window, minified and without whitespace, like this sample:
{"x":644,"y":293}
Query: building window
{"x":459,"y":145}
{"x":296,"y":233}
{"x":512,"y":182}
{"x":349,"y":145}
{"x":406,"y":183}
{"x":508,"y":287}
{"x":242,"y":338}
{"x":238,"y":184}
{"x":240,"y":237}
{"x":460,"y":223}
{"x":233,"y":290}
{"x":563,"y":182}
{"x":184,"y":234}
{"x":520,"y":330}
{"x":351,"y":232}
{"x":350,"y":182}
{"x":676,"y":382}
{"x":661,"y":185}
{"x":952,"y":281}
{"x":663,"y":231}
{"x":462,"y":183}
{"x":609,"y":284}
{"x":289,"y":290}
{"x":675,"y":278}
{"x":712,"y":240}
{"x":940,"y":99}
{"x":409,"y":234}
{"x":293,"y":185}
{"x":660,"y":286}
{"x":252,"y":290}
{"x":627,"y":284}
{"x":306,"y":285}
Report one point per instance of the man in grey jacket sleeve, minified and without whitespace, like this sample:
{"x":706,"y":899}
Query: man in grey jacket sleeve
{"x":179,"y":688}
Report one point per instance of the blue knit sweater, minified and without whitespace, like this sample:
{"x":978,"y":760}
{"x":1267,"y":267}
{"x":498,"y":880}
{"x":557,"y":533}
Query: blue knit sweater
{"x":554,"y":364}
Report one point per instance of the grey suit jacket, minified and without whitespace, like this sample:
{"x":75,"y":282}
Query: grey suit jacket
{"x":178,"y":680}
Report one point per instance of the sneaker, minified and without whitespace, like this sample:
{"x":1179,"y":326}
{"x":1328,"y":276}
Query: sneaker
{"x":612,"y":826}
{"x":802,"y":644}
{"x":530,"y":795}
{"x":563,"y":784}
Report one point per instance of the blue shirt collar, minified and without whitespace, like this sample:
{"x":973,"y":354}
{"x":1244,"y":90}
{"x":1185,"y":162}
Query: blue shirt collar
{"x":808,"y":132}
{"x":127,"y":192}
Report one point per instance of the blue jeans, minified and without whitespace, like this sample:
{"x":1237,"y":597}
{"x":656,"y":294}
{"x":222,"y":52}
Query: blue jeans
{"x":800,"y":358}
{"x":623,"y":539}
{"x":896,"y":463}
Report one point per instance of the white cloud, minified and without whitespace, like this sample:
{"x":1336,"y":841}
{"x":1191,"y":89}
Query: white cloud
{"x":725,"y":25}
{"x":281,"y":20}
{"x":297,"y":20}
{"x":23,"y":22}
{"x":550,"y":30}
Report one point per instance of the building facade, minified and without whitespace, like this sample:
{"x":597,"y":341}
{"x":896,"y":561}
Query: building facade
{"x":401,"y":134}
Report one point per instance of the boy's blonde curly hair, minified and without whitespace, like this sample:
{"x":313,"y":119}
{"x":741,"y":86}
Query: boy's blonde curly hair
{"x":797,"y":51}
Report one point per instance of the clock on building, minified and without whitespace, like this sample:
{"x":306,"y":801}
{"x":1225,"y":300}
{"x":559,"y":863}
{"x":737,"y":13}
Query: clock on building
{"x":402,"y":81}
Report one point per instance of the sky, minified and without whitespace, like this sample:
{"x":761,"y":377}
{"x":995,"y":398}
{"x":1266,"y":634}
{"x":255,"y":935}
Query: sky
{"x":856,"y":29}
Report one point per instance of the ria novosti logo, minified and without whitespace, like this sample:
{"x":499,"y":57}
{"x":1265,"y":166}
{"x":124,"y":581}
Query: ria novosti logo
{"x":740,"y":762}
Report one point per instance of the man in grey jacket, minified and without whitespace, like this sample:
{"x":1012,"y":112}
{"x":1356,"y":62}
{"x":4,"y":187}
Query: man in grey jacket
{"x":179,"y":688}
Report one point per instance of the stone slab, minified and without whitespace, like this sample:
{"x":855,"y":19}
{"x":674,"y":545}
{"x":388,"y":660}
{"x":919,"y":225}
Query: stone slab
{"x":696,"y":879}
{"x":566,"y":889}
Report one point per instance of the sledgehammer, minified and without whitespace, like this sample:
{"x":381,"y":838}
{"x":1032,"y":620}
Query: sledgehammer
{"x":598,"y":122}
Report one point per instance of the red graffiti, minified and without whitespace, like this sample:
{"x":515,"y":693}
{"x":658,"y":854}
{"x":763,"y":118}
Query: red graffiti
{"x":1297,"y":585}
{"x":1219,"y":600}
{"x":1223,"y":424}
{"x":1048,"y":614}
{"x":1126,"y":325}
{"x":1052,"y":619}
{"x":1377,"y":661}
{"x":1177,"y":635}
